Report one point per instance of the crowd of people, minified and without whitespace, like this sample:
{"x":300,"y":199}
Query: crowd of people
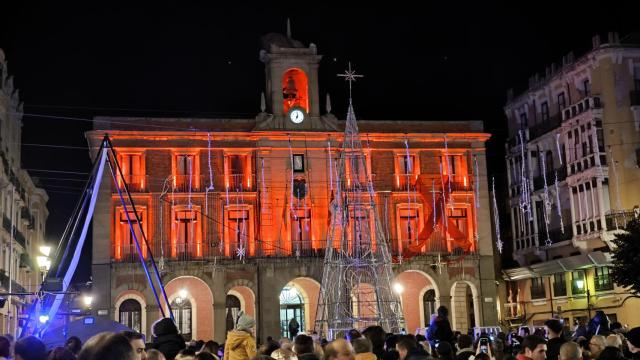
{"x":598,"y":340}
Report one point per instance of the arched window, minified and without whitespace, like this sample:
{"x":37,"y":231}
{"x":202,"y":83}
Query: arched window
{"x":291,"y":307}
{"x":295,"y":90}
{"x":429,"y":302}
{"x":233,"y":308}
{"x":181,"y":309}
{"x":131,"y":314}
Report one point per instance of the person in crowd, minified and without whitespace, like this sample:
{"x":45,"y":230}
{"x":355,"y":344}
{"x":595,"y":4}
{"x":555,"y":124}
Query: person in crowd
{"x":554,"y":333}
{"x":422,"y":341}
{"x":74,"y":344}
{"x":616,"y":327}
{"x":269,"y":347}
{"x":29,"y":348}
{"x":363,"y":349}
{"x":285,"y":352}
{"x":294,"y":327}
{"x":445,"y":351}
{"x":376,"y":335}
{"x":339,"y":349}
{"x":439,"y":327}
{"x":570,"y":351}
{"x":596,"y":345}
{"x":107,"y":346}
{"x":353,"y":334}
{"x":598,"y":325}
{"x":186,"y":354}
{"x":205,"y":356}
{"x":408,"y":349}
{"x":390,"y":345}
{"x":465,"y":347}
{"x":61,"y":353}
{"x":240,"y":344}
{"x":212,"y":348}
{"x":137,"y":342}
{"x":5,"y":348}
{"x":534,"y":347}
{"x":304,"y":349}
{"x":482,"y":356}
{"x":611,"y":353}
{"x":153,"y":354}
{"x":633,"y":343}
{"x":579,"y":330}
{"x":166,"y":339}
{"x":614,"y":340}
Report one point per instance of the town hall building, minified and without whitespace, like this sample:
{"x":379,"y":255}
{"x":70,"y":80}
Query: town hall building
{"x":236,"y":211}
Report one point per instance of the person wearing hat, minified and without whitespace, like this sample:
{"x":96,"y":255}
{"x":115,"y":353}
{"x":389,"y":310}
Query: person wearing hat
{"x":633,"y":342}
{"x":240,"y":344}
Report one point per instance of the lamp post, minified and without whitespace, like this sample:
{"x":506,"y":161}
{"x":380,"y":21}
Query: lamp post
{"x":44,"y":264}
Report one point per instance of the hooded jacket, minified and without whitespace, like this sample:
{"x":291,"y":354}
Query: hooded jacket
{"x":366,"y":356}
{"x":166,"y":338}
{"x":240,"y":345}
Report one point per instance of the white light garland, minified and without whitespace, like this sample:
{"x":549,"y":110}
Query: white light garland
{"x":496,"y":216}
{"x":547,"y":201}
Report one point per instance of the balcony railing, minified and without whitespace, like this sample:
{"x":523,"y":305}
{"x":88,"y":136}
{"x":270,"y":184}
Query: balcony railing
{"x":617,"y":220}
{"x":557,"y":235}
{"x":538,"y":181}
{"x":17,"y":235}
{"x":512,"y":311}
{"x":581,"y":106}
{"x":545,"y":126}
{"x":136,"y":183}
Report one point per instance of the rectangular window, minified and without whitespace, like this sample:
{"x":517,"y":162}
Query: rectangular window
{"x":586,"y":87}
{"x":185,"y":172}
{"x":409,"y":223}
{"x":523,"y":120}
{"x":603,"y":279}
{"x":238,"y":171}
{"x":578,"y":283}
{"x":544,"y":108}
{"x":562,"y":102}
{"x":239,"y":226}
{"x":132,"y":171}
{"x":298,"y":163}
{"x":125,"y":244}
{"x":407,"y":164}
{"x":360,"y":230}
{"x":459,"y":218}
{"x":301,"y":229}
{"x":559,"y":285}
{"x":186,"y":235}
{"x":537,"y":288}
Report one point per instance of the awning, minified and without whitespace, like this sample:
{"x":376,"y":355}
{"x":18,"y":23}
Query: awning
{"x":592,"y":259}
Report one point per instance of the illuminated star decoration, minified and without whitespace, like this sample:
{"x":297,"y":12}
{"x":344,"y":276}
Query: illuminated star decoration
{"x":400,"y":259}
{"x":297,"y":253}
{"x":350,"y":76}
{"x":240,"y":252}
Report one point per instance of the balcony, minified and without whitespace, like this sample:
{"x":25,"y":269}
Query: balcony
{"x":545,"y":126}
{"x":585,"y":104}
{"x":135,"y":183}
{"x":617,"y":220}
{"x":209,"y":251}
{"x":512,"y":311}
{"x":538,"y":181}
{"x":557,"y":235}
{"x":17,"y":235}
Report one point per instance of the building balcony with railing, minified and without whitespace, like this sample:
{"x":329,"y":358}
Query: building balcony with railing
{"x":545,"y":126}
{"x":586,"y":104}
{"x":538,"y":181}
{"x":618,"y":220}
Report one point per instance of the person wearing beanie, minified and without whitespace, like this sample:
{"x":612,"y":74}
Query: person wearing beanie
{"x":240,"y":344}
{"x":633,"y":342}
{"x":165,"y":338}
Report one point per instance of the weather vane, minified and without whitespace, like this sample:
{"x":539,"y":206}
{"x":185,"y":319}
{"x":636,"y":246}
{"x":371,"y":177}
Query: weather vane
{"x":350,"y":76}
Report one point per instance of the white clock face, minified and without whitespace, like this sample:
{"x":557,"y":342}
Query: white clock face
{"x":296,"y":116}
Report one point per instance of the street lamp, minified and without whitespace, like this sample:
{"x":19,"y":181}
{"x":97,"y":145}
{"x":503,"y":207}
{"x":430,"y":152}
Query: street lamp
{"x":45,"y":250}
{"x":88,"y":300}
{"x":44,"y":264}
{"x":43,"y":319}
{"x":398,"y":288}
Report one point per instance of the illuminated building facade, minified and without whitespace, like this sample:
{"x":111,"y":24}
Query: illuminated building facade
{"x":236,"y":211}
{"x":577,"y":129}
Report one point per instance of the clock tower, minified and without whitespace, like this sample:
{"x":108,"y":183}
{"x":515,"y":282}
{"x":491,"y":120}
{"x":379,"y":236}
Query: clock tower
{"x":292,"y":95}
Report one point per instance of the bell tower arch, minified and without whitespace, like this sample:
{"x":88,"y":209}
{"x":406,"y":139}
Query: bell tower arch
{"x":291,"y":71}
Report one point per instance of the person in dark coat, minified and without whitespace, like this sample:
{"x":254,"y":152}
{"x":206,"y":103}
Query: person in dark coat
{"x":554,"y":331}
{"x":440,"y":328}
{"x":166,"y":338}
{"x":294,"y":327}
{"x":598,"y":325}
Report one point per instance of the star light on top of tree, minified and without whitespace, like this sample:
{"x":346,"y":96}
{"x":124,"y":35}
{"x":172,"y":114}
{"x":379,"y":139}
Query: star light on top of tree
{"x":350,"y":76}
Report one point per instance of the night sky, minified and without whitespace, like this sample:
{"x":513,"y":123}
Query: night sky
{"x":443,"y":61}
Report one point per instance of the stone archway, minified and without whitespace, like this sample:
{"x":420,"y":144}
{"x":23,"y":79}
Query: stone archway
{"x":309,"y":290}
{"x":200,"y":299}
{"x":465,"y":306}
{"x":246,"y":299}
{"x":415,"y":284}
